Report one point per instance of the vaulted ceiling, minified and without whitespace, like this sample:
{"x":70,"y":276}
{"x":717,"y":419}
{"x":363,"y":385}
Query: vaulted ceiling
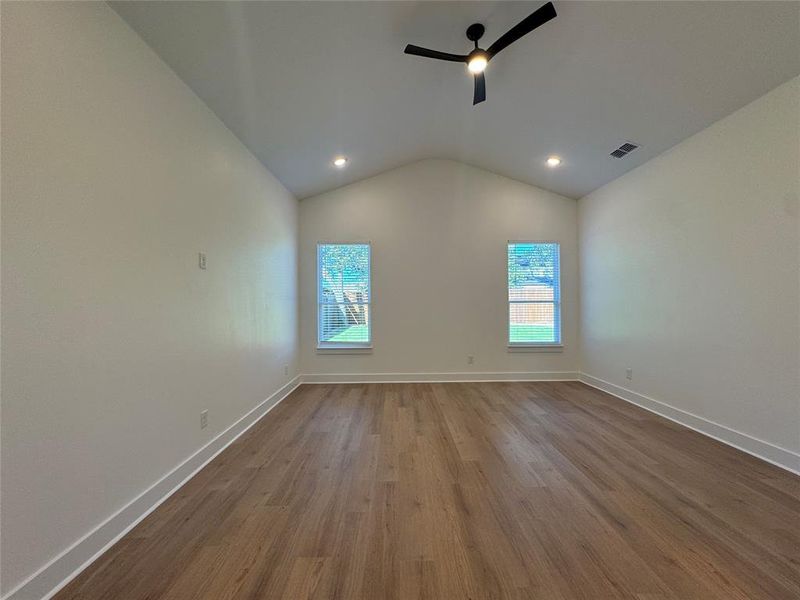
{"x":301,"y":82}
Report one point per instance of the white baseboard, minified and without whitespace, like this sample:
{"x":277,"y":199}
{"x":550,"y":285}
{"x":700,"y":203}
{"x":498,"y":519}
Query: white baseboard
{"x":780,"y":457}
{"x":437,"y":377}
{"x":59,"y":571}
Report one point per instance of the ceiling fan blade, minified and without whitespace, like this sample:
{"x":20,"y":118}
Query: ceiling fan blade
{"x":417,"y":51}
{"x":480,"y":89}
{"x":539,"y":17}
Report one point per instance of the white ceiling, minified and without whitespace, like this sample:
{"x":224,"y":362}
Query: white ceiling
{"x":299,"y":82}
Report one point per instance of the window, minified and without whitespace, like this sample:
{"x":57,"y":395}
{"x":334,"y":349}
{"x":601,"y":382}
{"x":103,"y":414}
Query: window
{"x":534,"y":294}
{"x":343,"y":295}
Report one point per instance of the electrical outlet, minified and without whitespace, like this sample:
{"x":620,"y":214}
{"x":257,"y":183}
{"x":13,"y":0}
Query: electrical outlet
{"x":470,"y":359}
{"x":201,"y":260}
{"x":628,"y":373}
{"x":286,"y":370}
{"x":203,"y":419}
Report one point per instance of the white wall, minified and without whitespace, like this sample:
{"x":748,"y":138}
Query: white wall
{"x":439,"y":231}
{"x":690,"y":275}
{"x":114,"y":176}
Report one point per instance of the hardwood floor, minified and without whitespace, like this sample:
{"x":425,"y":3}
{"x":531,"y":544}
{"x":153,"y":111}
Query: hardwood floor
{"x":453,"y":491}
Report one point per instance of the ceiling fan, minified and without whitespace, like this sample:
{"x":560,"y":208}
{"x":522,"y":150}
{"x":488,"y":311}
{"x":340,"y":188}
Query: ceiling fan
{"x":478,"y":59}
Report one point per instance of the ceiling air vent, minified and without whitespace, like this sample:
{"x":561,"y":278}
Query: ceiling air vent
{"x":624,"y":150}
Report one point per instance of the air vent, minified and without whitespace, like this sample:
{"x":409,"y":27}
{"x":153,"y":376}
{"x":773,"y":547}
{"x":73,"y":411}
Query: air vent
{"x":624,"y":150}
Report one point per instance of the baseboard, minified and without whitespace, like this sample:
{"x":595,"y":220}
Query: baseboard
{"x":437,"y":377}
{"x":780,"y":457}
{"x":59,"y":571}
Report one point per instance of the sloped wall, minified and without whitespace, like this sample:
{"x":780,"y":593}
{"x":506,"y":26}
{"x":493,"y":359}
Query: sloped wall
{"x":690,"y":276}
{"x":115,"y":175}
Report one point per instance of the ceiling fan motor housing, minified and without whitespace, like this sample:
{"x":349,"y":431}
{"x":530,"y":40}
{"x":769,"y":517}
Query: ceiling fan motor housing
{"x":475,"y":32}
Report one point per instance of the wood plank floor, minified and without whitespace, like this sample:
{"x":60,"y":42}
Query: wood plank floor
{"x":449,"y":491}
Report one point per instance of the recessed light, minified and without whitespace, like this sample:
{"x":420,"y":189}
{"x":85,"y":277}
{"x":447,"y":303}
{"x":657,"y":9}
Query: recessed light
{"x":553,"y":161}
{"x":339,"y":162}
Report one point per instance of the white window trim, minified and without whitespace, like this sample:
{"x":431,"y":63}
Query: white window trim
{"x":522,"y":348}
{"x":534,"y":346}
{"x":345,"y":347}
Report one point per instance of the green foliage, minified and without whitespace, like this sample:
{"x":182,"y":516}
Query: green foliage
{"x":338,"y":258}
{"x":532,"y":264}
{"x":344,"y":265}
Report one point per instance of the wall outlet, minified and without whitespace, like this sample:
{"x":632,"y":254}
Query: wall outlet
{"x":629,"y":374}
{"x":470,"y":359}
{"x":203,"y":419}
{"x":201,"y":260}
{"x":286,"y":370}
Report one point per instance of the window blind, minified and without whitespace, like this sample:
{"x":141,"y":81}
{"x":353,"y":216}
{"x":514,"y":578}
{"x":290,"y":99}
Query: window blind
{"x":343,"y":295}
{"x":534,"y":294}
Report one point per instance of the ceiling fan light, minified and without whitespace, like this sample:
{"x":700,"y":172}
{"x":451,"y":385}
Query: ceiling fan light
{"x":477,"y":64}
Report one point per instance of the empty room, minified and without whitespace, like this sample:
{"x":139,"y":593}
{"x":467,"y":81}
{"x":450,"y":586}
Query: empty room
{"x":399,"y":300}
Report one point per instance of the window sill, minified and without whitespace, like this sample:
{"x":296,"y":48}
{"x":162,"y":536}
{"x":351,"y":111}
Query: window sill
{"x":344,"y":349}
{"x":536,"y":348}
